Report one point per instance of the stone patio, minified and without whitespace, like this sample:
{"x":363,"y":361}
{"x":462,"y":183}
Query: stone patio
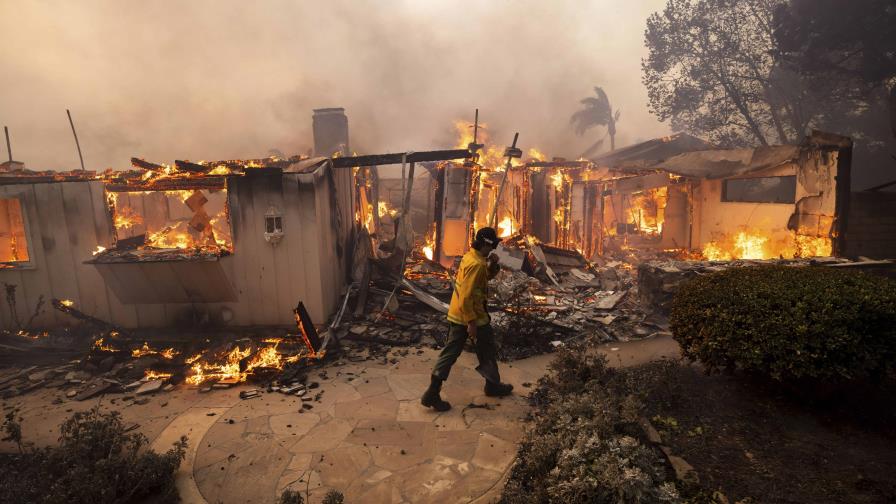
{"x":367,"y":437}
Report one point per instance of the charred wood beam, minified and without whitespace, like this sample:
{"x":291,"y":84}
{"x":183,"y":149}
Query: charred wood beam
{"x":145,"y":165}
{"x":190,"y":167}
{"x":171,"y":184}
{"x":78,"y":314}
{"x":396,"y":158}
{"x":557,"y":164}
{"x":306,"y":327}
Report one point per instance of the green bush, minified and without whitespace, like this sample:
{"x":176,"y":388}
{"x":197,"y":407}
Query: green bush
{"x":789,"y":323}
{"x":584,"y":445}
{"x":96,"y":461}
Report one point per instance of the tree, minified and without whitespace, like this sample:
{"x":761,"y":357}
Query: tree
{"x":597,"y":111}
{"x":847,"y":51}
{"x":852,"y":43}
{"x":712,"y":70}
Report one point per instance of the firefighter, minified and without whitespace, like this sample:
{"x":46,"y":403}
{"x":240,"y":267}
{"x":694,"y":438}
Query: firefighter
{"x":468,"y":318}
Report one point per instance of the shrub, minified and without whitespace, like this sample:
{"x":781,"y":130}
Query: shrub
{"x":333,"y":497}
{"x":96,"y":461}
{"x":789,"y":323}
{"x":584,"y":445}
{"x":291,"y":497}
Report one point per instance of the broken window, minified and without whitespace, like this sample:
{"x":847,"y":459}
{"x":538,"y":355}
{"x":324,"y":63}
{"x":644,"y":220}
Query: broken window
{"x":760,"y":190}
{"x":13,"y":244}
{"x":165,"y":222}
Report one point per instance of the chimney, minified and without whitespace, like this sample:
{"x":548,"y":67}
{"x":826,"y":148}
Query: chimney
{"x":330,"y":127}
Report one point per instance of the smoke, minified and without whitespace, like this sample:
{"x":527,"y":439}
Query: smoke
{"x":220,"y":79}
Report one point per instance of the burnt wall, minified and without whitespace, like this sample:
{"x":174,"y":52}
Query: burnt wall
{"x":871,"y":228}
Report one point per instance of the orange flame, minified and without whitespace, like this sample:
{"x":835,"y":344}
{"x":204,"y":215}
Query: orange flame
{"x":168,"y":353}
{"x":756,"y":244}
{"x":149,"y":374}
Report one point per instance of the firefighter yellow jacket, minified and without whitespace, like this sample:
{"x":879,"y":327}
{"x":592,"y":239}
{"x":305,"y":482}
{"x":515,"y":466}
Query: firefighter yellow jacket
{"x":470,"y":291}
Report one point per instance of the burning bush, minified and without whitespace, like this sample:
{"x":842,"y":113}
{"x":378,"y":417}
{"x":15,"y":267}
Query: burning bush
{"x":96,"y":461}
{"x":789,"y":323}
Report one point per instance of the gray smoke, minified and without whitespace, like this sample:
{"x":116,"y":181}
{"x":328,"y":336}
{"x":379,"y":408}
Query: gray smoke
{"x":219,"y":79}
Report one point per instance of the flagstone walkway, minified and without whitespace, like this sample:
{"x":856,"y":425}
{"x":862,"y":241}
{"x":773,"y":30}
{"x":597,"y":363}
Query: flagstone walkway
{"x":367,"y":437}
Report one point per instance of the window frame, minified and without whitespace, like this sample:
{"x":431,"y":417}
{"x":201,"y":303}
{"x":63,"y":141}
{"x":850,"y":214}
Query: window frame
{"x":724,"y":198}
{"x":26,"y":231}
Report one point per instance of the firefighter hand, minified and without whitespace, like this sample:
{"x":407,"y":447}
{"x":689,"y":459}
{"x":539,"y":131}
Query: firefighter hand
{"x":471,"y":329}
{"x":493,"y":265}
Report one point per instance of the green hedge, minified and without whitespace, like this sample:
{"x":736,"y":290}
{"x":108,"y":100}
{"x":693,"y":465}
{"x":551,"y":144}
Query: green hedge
{"x":789,"y":323}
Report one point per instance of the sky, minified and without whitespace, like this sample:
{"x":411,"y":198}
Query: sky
{"x":221,"y":79}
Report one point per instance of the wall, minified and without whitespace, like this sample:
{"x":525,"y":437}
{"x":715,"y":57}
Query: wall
{"x":812,"y":214}
{"x":871,"y":230}
{"x":717,"y":218}
{"x":66,"y":221}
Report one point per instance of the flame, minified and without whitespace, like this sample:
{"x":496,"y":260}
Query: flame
{"x":206,"y":234}
{"x":26,"y":334}
{"x":191,"y":360}
{"x":168,"y":353}
{"x":384,"y":209}
{"x":229,"y":368}
{"x":99,"y":250}
{"x":126,"y":218}
{"x":149,"y":374}
{"x":220,"y":170}
{"x":368,"y":220}
{"x":430,"y":242}
{"x":536,"y":154}
{"x":757,"y":244}
{"x":169,"y":238}
{"x":68,"y":303}
{"x":648,"y":210}
{"x":813,"y":246}
{"x":557,"y":180}
{"x":99,"y":345}
{"x":505,"y":227}
{"x":750,"y":246}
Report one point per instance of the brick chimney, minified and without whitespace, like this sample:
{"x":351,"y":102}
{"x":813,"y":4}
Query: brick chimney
{"x":330,"y":127}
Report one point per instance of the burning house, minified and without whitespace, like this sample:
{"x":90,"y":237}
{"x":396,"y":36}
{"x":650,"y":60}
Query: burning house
{"x":228,"y":243}
{"x":675,"y":194}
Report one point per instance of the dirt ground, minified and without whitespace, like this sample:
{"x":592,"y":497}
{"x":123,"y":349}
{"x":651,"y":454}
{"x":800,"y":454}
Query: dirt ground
{"x":755,"y":441}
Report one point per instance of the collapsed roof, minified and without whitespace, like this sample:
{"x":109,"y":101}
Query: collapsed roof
{"x":689,"y":156}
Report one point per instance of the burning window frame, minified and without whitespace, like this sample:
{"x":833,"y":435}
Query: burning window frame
{"x":17,"y":231}
{"x":125,"y":247}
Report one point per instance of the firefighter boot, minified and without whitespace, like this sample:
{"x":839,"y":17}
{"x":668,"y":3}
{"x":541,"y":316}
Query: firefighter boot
{"x":431,"y":398}
{"x":497,"y":389}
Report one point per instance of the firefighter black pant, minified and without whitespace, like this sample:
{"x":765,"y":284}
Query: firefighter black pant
{"x":485,"y":351}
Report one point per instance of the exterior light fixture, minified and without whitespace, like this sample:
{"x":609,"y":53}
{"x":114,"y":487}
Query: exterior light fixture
{"x":273,"y":226}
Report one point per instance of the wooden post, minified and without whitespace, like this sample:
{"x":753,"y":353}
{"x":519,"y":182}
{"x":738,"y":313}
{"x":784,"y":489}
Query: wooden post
{"x":439,"y":212}
{"x":374,"y":198}
{"x":510,"y":156}
{"x":78,"y":144}
{"x":8,"y":148}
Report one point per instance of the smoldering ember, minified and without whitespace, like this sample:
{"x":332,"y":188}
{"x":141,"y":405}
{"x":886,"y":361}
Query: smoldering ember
{"x":691,"y":300}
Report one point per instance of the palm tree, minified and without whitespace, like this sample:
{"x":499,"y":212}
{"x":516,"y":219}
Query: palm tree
{"x":597,"y":112}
